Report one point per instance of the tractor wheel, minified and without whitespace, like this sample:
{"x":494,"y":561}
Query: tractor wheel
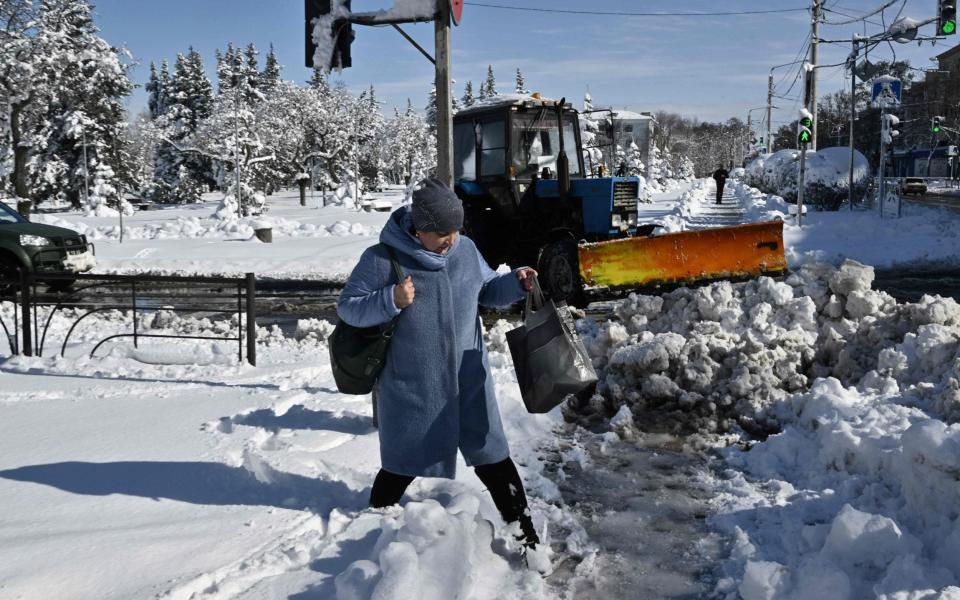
{"x":10,"y":269}
{"x":559,"y":270}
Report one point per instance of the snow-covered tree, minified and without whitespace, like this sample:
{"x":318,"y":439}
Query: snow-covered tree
{"x":410,"y":150}
{"x":521,"y":87}
{"x":430,"y":110}
{"x":468,"y":98}
{"x":270,"y":77}
{"x":189,"y":101}
{"x":491,"y":83}
{"x":72,"y":117}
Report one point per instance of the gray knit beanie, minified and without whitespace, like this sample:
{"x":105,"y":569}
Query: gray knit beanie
{"x":436,"y":208}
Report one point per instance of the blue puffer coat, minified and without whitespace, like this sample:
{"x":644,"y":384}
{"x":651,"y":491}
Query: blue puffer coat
{"x":436,"y":393}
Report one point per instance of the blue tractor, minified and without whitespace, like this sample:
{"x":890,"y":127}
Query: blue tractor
{"x":518,"y":167}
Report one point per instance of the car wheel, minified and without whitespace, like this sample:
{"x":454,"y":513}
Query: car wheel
{"x":10,"y":269}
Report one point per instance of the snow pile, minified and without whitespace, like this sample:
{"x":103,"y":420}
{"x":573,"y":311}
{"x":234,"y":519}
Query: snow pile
{"x":856,"y":498}
{"x":826,"y":180}
{"x":851,"y":490}
{"x":725,"y":355}
{"x":433,"y":552}
{"x":197,"y":228}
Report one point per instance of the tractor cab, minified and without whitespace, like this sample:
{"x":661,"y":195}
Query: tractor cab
{"x":518,"y":167}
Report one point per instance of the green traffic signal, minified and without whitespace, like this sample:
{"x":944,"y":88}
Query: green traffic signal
{"x":950,"y":27}
{"x":806,"y":122}
{"x":805,"y":137}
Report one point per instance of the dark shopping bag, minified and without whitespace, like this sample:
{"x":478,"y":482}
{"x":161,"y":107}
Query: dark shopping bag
{"x":548,"y":355}
{"x":358,"y":354}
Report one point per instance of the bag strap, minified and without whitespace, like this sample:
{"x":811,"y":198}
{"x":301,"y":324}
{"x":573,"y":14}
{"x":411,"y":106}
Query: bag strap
{"x":396,"y":264}
{"x":535,"y":299}
{"x":398,"y":272}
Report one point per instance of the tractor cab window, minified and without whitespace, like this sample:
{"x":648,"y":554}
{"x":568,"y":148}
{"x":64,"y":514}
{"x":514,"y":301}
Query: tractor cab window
{"x":465,"y":152}
{"x":493,"y":148}
{"x":536,"y":144}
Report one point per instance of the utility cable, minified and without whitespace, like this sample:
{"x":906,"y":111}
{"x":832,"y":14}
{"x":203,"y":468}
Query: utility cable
{"x":887,"y":5}
{"x":637,"y":14}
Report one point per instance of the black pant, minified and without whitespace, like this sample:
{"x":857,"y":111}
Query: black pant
{"x":502,"y":480}
{"x":720,"y":185}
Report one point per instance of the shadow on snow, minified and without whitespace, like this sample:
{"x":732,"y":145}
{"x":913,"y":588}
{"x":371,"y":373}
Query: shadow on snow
{"x":202,"y":483}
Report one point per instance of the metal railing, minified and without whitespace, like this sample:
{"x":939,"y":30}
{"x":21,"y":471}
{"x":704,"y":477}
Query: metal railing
{"x":36,"y":293}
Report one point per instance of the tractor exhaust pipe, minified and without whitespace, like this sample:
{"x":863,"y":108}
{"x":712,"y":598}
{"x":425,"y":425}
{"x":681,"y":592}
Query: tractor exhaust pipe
{"x":563,"y":163}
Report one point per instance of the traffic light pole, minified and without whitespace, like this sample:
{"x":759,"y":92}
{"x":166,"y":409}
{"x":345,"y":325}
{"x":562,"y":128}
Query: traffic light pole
{"x":814,"y":60}
{"x":882,"y":184}
{"x":800,"y":184}
{"x":444,"y":94}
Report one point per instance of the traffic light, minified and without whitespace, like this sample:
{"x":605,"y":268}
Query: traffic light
{"x":947,"y":18}
{"x":341,"y":31}
{"x":935,"y":124}
{"x":887,"y":131}
{"x":805,"y":132}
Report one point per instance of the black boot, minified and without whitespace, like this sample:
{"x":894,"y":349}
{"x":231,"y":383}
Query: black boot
{"x":505,"y":486}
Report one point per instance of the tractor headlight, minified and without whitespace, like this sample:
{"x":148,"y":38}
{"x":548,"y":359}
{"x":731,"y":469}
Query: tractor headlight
{"x":33,"y":240}
{"x":632,"y":219}
{"x":616,"y":221}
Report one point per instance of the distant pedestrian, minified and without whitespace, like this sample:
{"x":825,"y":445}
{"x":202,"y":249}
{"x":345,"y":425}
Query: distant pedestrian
{"x":622,"y":170}
{"x":436,"y":394}
{"x":720,"y":176}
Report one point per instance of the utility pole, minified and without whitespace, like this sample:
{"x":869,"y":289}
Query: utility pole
{"x":814,"y":60}
{"x":444,"y":94}
{"x":769,"y":112}
{"x":853,"y":113}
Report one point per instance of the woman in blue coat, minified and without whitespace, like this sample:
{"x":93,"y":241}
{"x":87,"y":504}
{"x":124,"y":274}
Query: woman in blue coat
{"x":436,"y":394}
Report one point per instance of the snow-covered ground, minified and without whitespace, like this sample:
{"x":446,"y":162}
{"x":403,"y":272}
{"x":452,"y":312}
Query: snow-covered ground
{"x":172,"y":471}
{"x":821,"y":415}
{"x":311,"y":242}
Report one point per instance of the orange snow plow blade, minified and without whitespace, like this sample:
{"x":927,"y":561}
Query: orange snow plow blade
{"x":735,"y":252}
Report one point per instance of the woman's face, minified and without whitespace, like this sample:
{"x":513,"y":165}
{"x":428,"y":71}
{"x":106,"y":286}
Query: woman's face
{"x":438,"y":243}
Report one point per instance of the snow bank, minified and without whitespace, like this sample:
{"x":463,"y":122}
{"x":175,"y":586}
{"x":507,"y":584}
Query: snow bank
{"x":208,"y":228}
{"x":722,"y":356}
{"x":851,"y":490}
{"x":826,"y":180}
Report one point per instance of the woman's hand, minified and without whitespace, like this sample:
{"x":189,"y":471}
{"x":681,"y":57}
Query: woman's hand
{"x":403,"y":293}
{"x":526,"y":276}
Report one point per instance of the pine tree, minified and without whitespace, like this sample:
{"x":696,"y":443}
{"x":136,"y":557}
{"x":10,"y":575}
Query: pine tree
{"x":468,"y":100}
{"x":318,"y":80}
{"x":491,"y":82}
{"x":270,"y":76}
{"x":154,"y":92}
{"x":482,"y":95}
{"x":227,"y":68}
{"x":163,"y":99}
{"x":250,"y":71}
{"x":521,"y":86}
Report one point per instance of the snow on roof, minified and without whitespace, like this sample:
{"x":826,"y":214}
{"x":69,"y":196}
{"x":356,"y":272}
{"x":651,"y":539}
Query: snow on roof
{"x":629,"y":115}
{"x":499,"y":100}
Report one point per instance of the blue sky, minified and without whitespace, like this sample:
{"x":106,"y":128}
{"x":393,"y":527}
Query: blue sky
{"x":708,"y":67}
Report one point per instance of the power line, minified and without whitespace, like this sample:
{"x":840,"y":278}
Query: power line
{"x":637,"y":14}
{"x":879,"y":10}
